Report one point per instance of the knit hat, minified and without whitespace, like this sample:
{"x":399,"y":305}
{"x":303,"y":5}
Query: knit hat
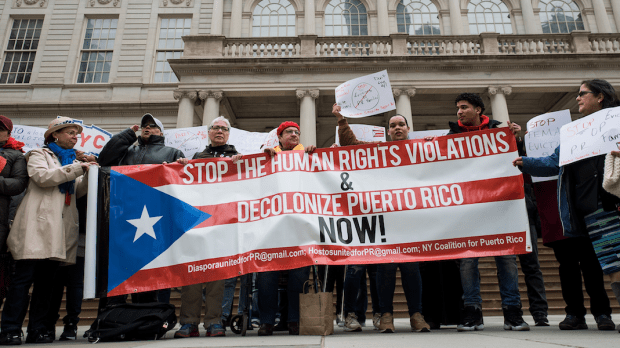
{"x":59,"y":123}
{"x":285,"y":125}
{"x":6,"y":123}
{"x":157,"y":122}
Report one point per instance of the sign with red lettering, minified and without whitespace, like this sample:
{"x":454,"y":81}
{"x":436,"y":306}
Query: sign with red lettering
{"x":92,"y":139}
{"x":402,"y":201}
{"x":366,"y":96}
{"x":592,"y":135}
{"x":543,"y":136}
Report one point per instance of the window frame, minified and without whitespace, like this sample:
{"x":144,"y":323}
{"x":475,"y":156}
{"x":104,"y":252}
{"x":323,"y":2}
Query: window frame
{"x":157,"y":50}
{"x":81,"y":49}
{"x":4,"y":50}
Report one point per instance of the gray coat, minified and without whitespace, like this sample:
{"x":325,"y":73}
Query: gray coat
{"x":121,"y":151}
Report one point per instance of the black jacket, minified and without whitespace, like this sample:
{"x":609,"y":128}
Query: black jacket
{"x":13,"y":180}
{"x":217,"y":151}
{"x":455,"y":129}
{"x":120,"y":151}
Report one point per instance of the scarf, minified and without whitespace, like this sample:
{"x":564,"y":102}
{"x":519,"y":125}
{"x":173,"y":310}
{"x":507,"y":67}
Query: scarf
{"x":14,"y":144}
{"x":484,"y":124}
{"x":298,"y":147}
{"x":66,"y":156}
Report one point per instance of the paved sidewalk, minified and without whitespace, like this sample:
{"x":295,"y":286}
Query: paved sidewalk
{"x":493,"y":335}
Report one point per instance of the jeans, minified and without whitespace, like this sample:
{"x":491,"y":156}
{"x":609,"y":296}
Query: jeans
{"x":412,"y":285}
{"x":229,"y":294}
{"x":28,"y":272}
{"x":71,"y":277}
{"x":267,"y":284}
{"x":507,"y":275}
{"x":356,"y":296}
{"x":335,"y":276}
{"x":534,"y":278}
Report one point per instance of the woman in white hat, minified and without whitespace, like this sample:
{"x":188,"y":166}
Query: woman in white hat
{"x":45,"y":230}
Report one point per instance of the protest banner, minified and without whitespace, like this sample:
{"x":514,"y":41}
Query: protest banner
{"x":365,"y":132}
{"x":403,"y":201}
{"x":92,"y":140}
{"x":428,"y":133}
{"x":543,"y":136}
{"x":32,"y":137}
{"x":592,"y":135}
{"x":366,"y":96}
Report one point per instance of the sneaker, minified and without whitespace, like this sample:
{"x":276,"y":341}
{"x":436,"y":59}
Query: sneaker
{"x":472,"y":320}
{"x":339,"y":322}
{"x":11,"y":338}
{"x":513,"y":319}
{"x":418,"y":324}
{"x":386,"y":324}
{"x":376,"y":319}
{"x":572,"y":322}
{"x":604,"y":322}
{"x":69,"y":333}
{"x":255,"y":323}
{"x":293,"y":328}
{"x":215,"y":330}
{"x":38,"y":337}
{"x":187,"y":330}
{"x":541,"y":319}
{"x":351,"y":323}
{"x":265,"y":330}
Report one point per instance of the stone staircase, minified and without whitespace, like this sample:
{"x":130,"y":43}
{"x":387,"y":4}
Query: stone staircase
{"x":489,"y":291}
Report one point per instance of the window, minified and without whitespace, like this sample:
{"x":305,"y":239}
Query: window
{"x":273,"y":18}
{"x":97,"y":51}
{"x":170,"y":46}
{"x":347,"y":17}
{"x":417,"y":17}
{"x":559,"y":16}
{"x":21,"y":50}
{"x":488,"y":16}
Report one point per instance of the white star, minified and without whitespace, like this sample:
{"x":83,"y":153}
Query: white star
{"x":144,"y":224}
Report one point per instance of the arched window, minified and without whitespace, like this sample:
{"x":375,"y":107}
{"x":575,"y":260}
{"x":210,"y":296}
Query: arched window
{"x":417,"y":17}
{"x":273,"y":18}
{"x":346,"y":17}
{"x":559,"y":16}
{"x":488,"y":16}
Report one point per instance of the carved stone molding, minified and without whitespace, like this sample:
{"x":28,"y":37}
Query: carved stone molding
{"x":301,"y":93}
{"x":176,"y":3}
{"x":505,"y":90}
{"x":29,"y":3}
{"x":204,"y":94}
{"x":404,"y":90}
{"x":104,"y":3}
{"x":180,"y":94}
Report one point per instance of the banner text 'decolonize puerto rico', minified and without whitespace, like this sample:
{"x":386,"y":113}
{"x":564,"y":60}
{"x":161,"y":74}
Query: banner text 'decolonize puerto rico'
{"x":403,"y":201}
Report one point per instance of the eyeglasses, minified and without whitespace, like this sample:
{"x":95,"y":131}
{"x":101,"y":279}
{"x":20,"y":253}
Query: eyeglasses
{"x":220,"y":128}
{"x":71,"y":132}
{"x":150,"y":125}
{"x":292,"y":131}
{"x":582,"y":93}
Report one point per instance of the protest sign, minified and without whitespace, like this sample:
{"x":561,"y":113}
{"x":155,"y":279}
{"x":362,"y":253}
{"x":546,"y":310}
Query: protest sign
{"x":246,"y":142}
{"x":92,"y":140}
{"x":428,"y":133}
{"x":211,"y":219}
{"x":592,"y":135}
{"x":32,"y":137}
{"x":365,"y":96}
{"x":271,"y":140}
{"x":189,"y":140}
{"x":365,"y":132}
{"x":543,"y":136}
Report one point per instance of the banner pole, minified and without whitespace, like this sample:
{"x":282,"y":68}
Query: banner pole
{"x":90,"y":260}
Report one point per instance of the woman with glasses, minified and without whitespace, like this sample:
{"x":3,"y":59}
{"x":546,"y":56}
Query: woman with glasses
{"x":582,"y":203}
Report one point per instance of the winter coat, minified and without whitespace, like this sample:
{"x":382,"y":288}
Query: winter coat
{"x":455,"y":128}
{"x":346,"y":136}
{"x":44,"y":227}
{"x":121,"y":151}
{"x":217,"y":151}
{"x":13,"y":180}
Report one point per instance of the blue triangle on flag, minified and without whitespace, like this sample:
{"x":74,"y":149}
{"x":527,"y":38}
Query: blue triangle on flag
{"x":135,"y":208}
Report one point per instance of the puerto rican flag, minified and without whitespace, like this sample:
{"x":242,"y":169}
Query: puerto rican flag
{"x":405,"y":201}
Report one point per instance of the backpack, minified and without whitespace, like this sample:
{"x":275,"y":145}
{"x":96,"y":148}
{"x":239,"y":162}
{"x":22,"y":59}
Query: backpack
{"x":132,"y":321}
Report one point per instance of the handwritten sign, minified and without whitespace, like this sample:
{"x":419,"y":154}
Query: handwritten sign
{"x":428,"y":133}
{"x":92,"y":139}
{"x":247,"y":142}
{"x":543,"y":136}
{"x":271,"y":140}
{"x":592,"y":135}
{"x":365,"y":132}
{"x":188,"y":140}
{"x":32,"y":137}
{"x":365,"y":96}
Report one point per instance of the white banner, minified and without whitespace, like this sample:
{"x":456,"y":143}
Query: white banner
{"x":365,"y":132}
{"x":592,"y":135}
{"x":366,"y":96}
{"x":92,"y":140}
{"x":32,"y":137}
{"x":543,"y":136}
{"x":428,"y":133}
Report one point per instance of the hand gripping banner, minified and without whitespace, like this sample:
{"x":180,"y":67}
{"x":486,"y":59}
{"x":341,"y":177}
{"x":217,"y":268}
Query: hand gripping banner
{"x":404,"y":201}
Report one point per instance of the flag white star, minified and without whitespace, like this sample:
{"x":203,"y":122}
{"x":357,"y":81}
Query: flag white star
{"x":145,"y":224}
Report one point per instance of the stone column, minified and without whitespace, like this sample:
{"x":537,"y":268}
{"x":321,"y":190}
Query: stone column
{"x":456,"y":25}
{"x":600,"y":13}
{"x":383,"y":22}
{"x":309,"y":13}
{"x":217,"y":17}
{"x":403,"y":103}
{"x":307,"y":115}
{"x":235,"y":18}
{"x":615,"y":7}
{"x":498,"y":103}
{"x":211,"y":100}
{"x":529,"y":20}
{"x":185,"y":117}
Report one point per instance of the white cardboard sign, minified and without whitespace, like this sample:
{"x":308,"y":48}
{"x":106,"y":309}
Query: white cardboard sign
{"x":32,"y":137}
{"x":366,"y":96}
{"x":543,"y":136}
{"x":365,"y":132}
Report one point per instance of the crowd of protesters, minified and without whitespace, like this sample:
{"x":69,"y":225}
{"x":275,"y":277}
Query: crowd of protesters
{"x":43,"y":244}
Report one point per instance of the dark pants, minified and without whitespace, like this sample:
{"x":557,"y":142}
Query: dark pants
{"x":534,"y":278}
{"x":335,"y":276}
{"x":73,"y":278}
{"x":412,"y":285}
{"x":576,"y":257}
{"x":267,"y":284}
{"x":141,"y":297}
{"x":28,"y":272}
{"x":356,"y":291}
